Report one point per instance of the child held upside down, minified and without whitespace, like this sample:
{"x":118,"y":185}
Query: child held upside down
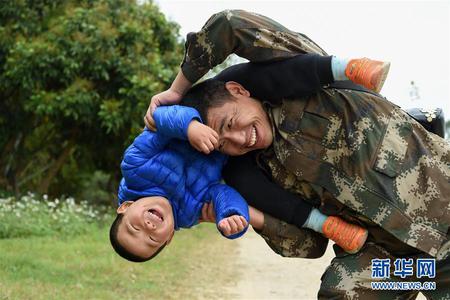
{"x":166,"y":183}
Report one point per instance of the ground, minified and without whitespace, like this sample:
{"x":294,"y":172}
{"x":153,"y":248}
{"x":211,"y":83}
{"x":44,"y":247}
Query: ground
{"x":265,"y":275}
{"x":261,"y":274}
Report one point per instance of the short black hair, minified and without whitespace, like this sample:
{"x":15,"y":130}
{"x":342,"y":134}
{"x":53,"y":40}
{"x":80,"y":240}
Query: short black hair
{"x":124,"y":253}
{"x":205,"y":95}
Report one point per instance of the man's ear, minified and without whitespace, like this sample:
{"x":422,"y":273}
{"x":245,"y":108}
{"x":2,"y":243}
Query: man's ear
{"x":236,"y":89}
{"x":124,"y":206}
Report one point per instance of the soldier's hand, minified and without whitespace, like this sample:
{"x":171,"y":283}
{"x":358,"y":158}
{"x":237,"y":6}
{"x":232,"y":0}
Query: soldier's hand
{"x":232,"y":225}
{"x":167,"y":97}
{"x":208,"y":214}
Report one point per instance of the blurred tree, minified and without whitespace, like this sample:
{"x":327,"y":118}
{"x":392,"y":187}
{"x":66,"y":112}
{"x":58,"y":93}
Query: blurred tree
{"x":76,"y":78}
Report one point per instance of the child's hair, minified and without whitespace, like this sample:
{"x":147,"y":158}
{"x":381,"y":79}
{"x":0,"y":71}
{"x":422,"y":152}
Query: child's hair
{"x":124,"y":253}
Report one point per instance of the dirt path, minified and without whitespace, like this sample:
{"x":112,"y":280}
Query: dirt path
{"x":264,"y":275}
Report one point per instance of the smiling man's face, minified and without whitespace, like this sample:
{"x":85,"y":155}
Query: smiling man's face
{"x":242,"y":123}
{"x":147,"y":224}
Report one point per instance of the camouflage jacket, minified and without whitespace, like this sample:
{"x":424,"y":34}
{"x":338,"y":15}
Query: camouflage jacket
{"x":339,"y":146}
{"x":240,"y":32}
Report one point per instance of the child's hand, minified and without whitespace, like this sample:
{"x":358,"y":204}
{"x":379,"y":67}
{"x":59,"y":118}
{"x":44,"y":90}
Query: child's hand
{"x":202,"y":138}
{"x":232,"y":225}
{"x":167,"y":97}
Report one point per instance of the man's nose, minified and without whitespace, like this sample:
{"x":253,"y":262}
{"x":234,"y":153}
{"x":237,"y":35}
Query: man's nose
{"x":235,"y":137}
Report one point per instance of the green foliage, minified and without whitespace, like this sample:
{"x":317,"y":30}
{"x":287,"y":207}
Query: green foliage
{"x":76,"y":78}
{"x":96,"y":187}
{"x":41,"y":217}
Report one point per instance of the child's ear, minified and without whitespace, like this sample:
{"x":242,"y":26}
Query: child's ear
{"x":170,"y":239}
{"x":124,"y":206}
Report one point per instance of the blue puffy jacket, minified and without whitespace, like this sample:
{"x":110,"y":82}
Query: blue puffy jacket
{"x":164,"y":164}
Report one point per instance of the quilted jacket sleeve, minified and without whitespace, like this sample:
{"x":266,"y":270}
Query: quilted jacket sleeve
{"x":173,"y":121}
{"x":138,"y":165}
{"x":227,"y":202}
{"x":145,"y":146}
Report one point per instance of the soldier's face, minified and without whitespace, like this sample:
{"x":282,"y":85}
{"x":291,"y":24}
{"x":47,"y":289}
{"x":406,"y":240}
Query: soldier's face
{"x":242,"y":123}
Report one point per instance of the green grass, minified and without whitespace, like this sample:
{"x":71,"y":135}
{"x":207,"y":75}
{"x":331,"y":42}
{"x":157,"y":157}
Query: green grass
{"x":33,"y":216}
{"x":85,"y":267}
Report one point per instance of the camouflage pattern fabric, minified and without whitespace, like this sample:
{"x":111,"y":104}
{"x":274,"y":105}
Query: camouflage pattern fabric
{"x":338,"y":281}
{"x":350,"y":151}
{"x":373,"y":158}
{"x":291,"y":241}
{"x":240,"y":32}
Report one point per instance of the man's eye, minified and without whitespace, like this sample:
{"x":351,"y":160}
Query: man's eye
{"x":230,"y":123}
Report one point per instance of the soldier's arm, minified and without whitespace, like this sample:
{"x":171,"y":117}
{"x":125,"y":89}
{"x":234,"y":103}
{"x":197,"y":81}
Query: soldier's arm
{"x":248,"y":179}
{"x":244,"y":174}
{"x":251,"y":36}
{"x":298,"y":76}
{"x":290,"y":241}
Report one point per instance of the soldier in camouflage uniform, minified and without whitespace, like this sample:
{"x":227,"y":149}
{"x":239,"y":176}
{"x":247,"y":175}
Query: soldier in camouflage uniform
{"x":349,"y":153}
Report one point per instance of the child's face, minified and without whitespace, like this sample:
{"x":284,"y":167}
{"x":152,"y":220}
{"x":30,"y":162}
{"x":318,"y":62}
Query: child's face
{"x":146,"y":225}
